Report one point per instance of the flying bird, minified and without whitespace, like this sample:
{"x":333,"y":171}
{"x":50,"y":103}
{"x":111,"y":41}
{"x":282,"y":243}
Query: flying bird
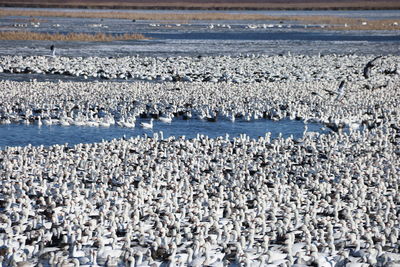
{"x":317,"y":94}
{"x":368,"y":67}
{"x":340,"y":91}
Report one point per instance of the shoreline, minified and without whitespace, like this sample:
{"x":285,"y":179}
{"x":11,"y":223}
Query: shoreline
{"x":329,"y":22}
{"x":221,"y":7}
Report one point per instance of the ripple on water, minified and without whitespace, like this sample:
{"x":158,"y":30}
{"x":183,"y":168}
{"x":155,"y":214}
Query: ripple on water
{"x":22,"y":135}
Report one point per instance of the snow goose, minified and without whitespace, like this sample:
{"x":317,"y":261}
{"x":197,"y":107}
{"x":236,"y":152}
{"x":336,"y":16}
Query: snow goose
{"x":146,"y":125}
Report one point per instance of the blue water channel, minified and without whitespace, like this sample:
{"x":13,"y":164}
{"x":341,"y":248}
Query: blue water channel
{"x":22,"y":135}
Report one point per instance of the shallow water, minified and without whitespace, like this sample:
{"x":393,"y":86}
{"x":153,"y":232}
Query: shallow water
{"x":22,"y":135}
{"x":194,"y":47}
{"x":276,"y":35}
{"x":196,"y":37}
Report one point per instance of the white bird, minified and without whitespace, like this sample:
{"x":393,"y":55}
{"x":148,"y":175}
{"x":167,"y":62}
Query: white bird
{"x":104,"y":122}
{"x":306,"y":133}
{"x":40,"y":121}
{"x":76,"y":252}
{"x":129,"y":123}
{"x":275,"y":257}
{"x":232,"y":117}
{"x":64,"y":122}
{"x":48,"y":121}
{"x":147,"y":125}
{"x":167,"y":119}
{"x":340,"y":91}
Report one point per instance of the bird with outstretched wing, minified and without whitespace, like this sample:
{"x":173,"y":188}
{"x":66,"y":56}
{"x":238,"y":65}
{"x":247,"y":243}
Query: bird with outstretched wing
{"x":368,"y":67}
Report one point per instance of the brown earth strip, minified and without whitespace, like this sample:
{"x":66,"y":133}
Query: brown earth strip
{"x":99,"y":37}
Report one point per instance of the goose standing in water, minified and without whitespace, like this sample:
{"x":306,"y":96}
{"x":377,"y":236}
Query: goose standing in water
{"x":129,"y":123}
{"x":53,"y":50}
{"x":39,"y":121}
{"x":48,"y":121}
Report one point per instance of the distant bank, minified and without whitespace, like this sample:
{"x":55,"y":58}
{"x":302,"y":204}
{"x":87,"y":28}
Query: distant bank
{"x":210,"y":5}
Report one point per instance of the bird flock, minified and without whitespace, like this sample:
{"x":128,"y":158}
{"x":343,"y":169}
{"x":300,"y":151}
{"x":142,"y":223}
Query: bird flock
{"x":214,"y":69}
{"x":319,"y":200}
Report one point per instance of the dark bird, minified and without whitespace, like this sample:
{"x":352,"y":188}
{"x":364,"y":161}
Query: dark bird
{"x":53,"y":49}
{"x":391,"y":72}
{"x":368,"y":67}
